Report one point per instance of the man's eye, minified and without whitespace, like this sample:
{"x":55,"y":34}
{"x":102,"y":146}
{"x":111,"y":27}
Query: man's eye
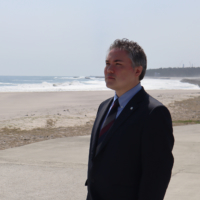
{"x":118,"y":64}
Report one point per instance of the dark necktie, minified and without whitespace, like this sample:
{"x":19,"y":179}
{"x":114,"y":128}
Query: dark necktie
{"x":109,"y":121}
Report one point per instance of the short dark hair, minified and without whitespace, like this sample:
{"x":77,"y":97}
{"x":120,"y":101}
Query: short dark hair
{"x":135,"y":52}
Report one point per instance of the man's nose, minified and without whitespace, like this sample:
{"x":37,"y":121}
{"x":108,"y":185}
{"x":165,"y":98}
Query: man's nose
{"x":110,"y":69}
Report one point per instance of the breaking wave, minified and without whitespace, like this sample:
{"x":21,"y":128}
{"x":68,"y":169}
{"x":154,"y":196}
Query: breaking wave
{"x":80,"y":83}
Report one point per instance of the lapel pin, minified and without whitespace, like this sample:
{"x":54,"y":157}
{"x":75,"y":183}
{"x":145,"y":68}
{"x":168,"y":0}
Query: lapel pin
{"x":131,"y":108}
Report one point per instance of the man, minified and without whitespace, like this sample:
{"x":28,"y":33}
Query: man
{"x":130,"y":155}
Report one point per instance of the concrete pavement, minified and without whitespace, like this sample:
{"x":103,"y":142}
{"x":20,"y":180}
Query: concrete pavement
{"x":185,"y":182}
{"x":51,"y":170}
{"x":56,"y":169}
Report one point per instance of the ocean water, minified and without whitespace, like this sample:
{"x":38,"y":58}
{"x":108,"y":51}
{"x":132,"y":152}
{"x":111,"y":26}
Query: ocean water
{"x":79,"y":83}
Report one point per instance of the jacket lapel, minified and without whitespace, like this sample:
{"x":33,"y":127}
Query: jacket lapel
{"x":132,"y":105}
{"x":97,"y":125}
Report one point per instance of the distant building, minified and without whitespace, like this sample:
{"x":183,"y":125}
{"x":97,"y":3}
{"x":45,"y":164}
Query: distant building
{"x":156,"y":74}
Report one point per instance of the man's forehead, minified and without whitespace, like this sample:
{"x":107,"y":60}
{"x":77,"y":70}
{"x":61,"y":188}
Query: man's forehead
{"x":116,"y":54}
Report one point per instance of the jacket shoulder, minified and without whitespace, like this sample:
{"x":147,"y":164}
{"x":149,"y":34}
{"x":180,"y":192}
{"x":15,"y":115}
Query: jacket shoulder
{"x":146,"y":101}
{"x":153,"y":103}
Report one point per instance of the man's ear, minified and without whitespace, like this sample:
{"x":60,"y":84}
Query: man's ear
{"x":138,"y":71}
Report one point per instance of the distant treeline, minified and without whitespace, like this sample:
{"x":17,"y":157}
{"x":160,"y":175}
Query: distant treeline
{"x":174,"y":72}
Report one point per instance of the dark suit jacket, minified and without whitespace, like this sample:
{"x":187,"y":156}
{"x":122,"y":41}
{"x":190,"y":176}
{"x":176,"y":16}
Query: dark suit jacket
{"x":135,"y":160}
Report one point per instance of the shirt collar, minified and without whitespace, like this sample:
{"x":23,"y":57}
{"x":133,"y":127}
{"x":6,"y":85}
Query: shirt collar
{"x":126,"y":97}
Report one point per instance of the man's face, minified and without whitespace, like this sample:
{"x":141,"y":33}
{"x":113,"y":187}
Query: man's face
{"x":119,"y":73}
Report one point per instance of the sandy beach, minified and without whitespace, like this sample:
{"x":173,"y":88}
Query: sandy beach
{"x":35,"y":116}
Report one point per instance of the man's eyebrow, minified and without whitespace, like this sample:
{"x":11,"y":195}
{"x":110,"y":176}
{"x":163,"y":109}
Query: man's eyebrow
{"x":118,"y":60}
{"x":115,"y":60}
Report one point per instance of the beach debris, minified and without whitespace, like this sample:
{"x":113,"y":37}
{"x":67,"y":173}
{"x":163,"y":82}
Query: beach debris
{"x":50,"y":123}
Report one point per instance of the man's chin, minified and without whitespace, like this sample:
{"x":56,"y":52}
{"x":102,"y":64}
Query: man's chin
{"x":110,"y":85}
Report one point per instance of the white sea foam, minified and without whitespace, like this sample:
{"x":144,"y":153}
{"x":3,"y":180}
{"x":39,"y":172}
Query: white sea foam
{"x":167,"y":84}
{"x":81,"y":84}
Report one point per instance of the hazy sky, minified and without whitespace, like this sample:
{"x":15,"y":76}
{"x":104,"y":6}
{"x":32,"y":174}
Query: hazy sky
{"x":62,"y":37}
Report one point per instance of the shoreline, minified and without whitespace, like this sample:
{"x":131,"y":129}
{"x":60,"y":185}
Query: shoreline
{"x":31,"y":117}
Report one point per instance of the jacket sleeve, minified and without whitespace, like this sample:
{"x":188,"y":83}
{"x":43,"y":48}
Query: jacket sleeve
{"x":156,"y":154}
{"x":86,"y":182}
